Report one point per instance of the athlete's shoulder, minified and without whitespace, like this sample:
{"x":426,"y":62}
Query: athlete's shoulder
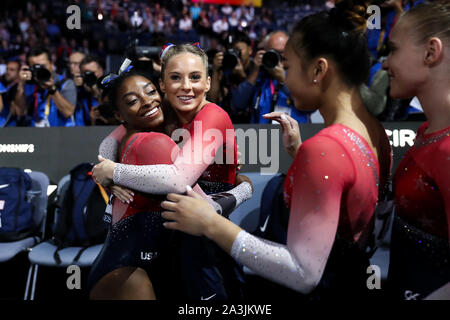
{"x":212,"y":108}
{"x":329,"y":135}
{"x":214,"y":115}
{"x":145,"y":137}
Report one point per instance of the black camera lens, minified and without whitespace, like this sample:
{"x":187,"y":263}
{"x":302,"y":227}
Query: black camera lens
{"x":89,"y":78}
{"x":230,"y":59}
{"x":271,"y":58}
{"x":144,"y":65}
{"x":40,"y":73}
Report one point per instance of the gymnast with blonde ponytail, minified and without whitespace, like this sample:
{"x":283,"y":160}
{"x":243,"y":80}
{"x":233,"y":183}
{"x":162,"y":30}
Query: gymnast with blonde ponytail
{"x":419,"y":65}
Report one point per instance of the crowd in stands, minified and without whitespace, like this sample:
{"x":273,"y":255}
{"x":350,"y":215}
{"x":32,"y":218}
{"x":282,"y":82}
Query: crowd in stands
{"x":35,"y":36}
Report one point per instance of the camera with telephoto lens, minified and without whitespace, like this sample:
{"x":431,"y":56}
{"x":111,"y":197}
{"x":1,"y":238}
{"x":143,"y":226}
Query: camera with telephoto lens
{"x":40,"y":73}
{"x":89,"y":78}
{"x":231,"y":59}
{"x":142,"y":57}
{"x":271,"y":58}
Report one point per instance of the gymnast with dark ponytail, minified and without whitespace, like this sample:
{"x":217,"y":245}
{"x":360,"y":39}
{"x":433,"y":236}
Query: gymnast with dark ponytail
{"x":333,"y":184}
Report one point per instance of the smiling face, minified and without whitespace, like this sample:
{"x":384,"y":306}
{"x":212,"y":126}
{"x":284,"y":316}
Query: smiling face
{"x":405,"y":63}
{"x":185,"y":82}
{"x":139,"y":104}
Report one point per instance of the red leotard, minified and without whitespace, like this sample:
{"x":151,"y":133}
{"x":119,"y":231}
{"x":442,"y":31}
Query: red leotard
{"x":194,"y":161}
{"x":331,"y":189}
{"x":420,"y":249}
{"x":422,"y":183}
{"x":140,"y":149}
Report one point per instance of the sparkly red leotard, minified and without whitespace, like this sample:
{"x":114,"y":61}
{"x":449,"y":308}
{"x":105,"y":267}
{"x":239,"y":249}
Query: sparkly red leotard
{"x":420,"y":254}
{"x":332,"y":190}
{"x":140,"y":150}
{"x":210,"y":132}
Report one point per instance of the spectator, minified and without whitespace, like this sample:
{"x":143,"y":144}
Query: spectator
{"x":204,"y":28}
{"x":227,"y":9}
{"x":136,"y":20}
{"x":73,"y":45}
{"x":264,"y":90}
{"x":89,"y":94}
{"x":226,"y":81}
{"x":185,"y":23}
{"x":148,"y":20}
{"x":100,"y":51}
{"x":220,"y":25}
{"x":159,"y":23}
{"x":50,"y":99}
{"x":4,"y":33}
{"x":53,"y":29}
{"x":24,"y":25}
{"x":62,"y":53}
{"x":85,"y":46}
{"x":233,"y":21}
{"x":8,"y":88}
{"x":195,"y":11}
{"x":74,"y":67}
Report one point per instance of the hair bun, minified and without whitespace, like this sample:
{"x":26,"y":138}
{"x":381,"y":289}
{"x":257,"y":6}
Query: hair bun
{"x":350,"y":14}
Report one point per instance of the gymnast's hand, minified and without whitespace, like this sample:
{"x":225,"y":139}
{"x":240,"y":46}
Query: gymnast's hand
{"x":239,"y":162}
{"x":191,"y":213}
{"x":123,"y":194}
{"x":291,"y":131}
{"x":103,"y":172}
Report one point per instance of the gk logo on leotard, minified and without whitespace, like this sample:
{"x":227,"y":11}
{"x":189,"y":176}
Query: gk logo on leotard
{"x":409,"y":295}
{"x":148,"y":255}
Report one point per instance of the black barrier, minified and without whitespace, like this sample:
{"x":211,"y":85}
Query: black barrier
{"x":55,"y":151}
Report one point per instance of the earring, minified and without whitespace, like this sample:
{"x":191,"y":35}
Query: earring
{"x":315,"y":80}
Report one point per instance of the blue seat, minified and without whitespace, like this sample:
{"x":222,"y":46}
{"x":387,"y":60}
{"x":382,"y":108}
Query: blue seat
{"x":381,"y":259}
{"x":247,"y":215}
{"x":43,"y":253}
{"x":9,"y":250}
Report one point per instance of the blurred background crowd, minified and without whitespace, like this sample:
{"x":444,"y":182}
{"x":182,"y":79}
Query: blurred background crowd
{"x":51,"y":75}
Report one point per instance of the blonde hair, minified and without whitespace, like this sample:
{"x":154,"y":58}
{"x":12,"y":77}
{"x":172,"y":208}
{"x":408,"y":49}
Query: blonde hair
{"x":183,"y":48}
{"x":429,"y":20}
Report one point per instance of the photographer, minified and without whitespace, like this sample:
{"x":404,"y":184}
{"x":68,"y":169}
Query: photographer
{"x":89,"y":94}
{"x":264,"y":90}
{"x":230,"y":70}
{"x":8,"y":88}
{"x":74,"y":66}
{"x":44,"y":98}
